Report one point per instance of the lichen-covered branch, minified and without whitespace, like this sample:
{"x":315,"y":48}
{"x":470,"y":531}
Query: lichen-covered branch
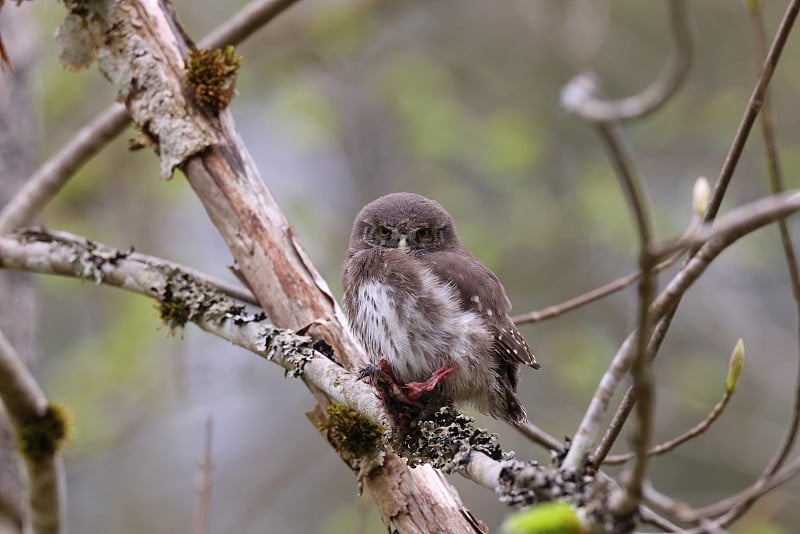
{"x":448,"y":441}
{"x":40,"y":429}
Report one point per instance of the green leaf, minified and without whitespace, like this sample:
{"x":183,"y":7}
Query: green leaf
{"x":547,"y":518}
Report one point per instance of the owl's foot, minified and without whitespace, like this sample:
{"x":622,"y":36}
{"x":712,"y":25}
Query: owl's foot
{"x":415,"y":390}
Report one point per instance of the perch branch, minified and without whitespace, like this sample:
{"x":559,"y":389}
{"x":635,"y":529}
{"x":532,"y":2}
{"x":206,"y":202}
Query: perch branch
{"x":195,"y":301}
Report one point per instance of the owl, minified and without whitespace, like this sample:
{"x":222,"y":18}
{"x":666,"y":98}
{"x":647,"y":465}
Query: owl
{"x":434,"y":320}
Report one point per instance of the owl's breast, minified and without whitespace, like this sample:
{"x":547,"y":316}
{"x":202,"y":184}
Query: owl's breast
{"x":402,"y":312}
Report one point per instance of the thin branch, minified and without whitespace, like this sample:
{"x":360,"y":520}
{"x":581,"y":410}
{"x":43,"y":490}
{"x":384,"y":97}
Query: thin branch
{"x":667,"y":446}
{"x":598,"y":293}
{"x":751,"y":112}
{"x":537,"y":435}
{"x":777,"y":186}
{"x":726,"y":231}
{"x":627,"y":501}
{"x":579,"y":96}
{"x":666,"y":315}
{"x":731,"y":504}
{"x":738,"y":221}
{"x":25,"y":403}
{"x":54,"y":173}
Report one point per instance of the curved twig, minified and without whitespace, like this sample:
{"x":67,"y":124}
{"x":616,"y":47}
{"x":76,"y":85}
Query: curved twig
{"x":579,"y":96}
{"x":619,"y":284}
{"x":667,"y":446}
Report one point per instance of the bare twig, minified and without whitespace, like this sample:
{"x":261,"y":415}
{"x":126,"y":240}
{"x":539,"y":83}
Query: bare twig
{"x":619,"y":284}
{"x":727,"y":230}
{"x":777,"y":186}
{"x":751,"y":112}
{"x":741,"y":219}
{"x":667,"y":446}
{"x":26,"y":403}
{"x":665,"y":317}
{"x":579,"y":96}
{"x":537,"y":435}
{"x":761,"y":487}
{"x":54,"y":173}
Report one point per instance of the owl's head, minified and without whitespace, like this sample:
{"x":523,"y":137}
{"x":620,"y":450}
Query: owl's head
{"x":401,"y":220}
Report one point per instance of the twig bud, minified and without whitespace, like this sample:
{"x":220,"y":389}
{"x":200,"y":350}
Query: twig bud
{"x":735,"y":367}
{"x":700,"y":195}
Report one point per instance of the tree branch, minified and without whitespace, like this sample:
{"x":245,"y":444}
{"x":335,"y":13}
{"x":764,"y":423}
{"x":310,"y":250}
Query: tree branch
{"x":751,"y":112}
{"x":182,"y":299}
{"x":26,"y":406}
{"x":54,"y":173}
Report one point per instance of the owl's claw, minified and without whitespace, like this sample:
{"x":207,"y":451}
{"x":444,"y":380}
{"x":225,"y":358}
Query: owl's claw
{"x":415,"y":390}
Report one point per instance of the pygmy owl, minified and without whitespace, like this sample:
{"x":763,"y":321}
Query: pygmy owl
{"x":434,"y":320}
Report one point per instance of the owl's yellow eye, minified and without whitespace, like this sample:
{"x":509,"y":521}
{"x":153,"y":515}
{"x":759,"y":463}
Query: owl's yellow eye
{"x":384,"y":232}
{"x":424,"y":233}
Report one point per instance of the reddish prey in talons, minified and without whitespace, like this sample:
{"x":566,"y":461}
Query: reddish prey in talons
{"x":404,"y":402}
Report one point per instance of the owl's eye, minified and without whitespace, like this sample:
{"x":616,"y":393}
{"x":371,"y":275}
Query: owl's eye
{"x":424,"y":234}
{"x":383,"y":232}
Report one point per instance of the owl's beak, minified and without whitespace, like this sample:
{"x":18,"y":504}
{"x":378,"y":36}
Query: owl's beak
{"x":402,"y":243}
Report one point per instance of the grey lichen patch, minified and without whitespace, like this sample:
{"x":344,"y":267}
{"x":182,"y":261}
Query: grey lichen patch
{"x":91,"y":261}
{"x":528,"y":483}
{"x":296,"y":350}
{"x":444,"y":439}
{"x":183,"y":299}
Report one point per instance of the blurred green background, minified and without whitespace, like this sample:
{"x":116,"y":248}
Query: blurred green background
{"x":341,"y":102}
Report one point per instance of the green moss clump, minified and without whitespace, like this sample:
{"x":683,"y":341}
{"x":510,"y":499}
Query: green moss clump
{"x":42,"y":437}
{"x":352,"y":432}
{"x":173,"y":310}
{"x":211,"y":74}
